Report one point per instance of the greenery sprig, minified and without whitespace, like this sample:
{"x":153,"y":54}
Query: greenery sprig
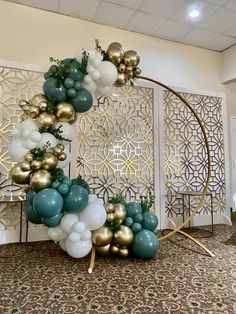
{"x":117,"y":198}
{"x":147,"y":202}
{"x":60,"y":70}
{"x":51,"y":107}
{"x":56,"y":132}
{"x":99,"y":49}
{"x":57,"y":174}
{"x":81,"y":182}
{"x":84,"y":62}
{"x":113,"y":225}
{"x":39,"y":153}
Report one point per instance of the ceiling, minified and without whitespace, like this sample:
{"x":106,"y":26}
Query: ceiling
{"x":214,"y":29}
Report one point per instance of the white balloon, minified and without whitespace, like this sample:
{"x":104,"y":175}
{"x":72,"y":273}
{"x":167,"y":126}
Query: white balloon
{"x":29,"y":144}
{"x":28,"y":124}
{"x":79,"y":227}
{"x":35,"y":136}
{"x":57,"y":233}
{"x":16,"y":132}
{"x":68,"y":221}
{"x":108,"y":74}
{"x":92,"y":198}
{"x":47,"y":137}
{"x":62,"y":244}
{"x":78,"y":249}
{"x":94,"y":216}
{"x":90,"y":87}
{"x":85,"y":235}
{"x":74,"y":237}
{"x":96,"y":61}
{"x":87,"y":79}
{"x":90,"y":68}
{"x":67,"y":130}
{"x":17,"y":149}
{"x":95,"y":75}
{"x":26,"y":133}
{"x":104,"y":91}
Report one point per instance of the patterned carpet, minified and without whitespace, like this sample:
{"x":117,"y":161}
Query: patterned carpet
{"x":39,"y":278}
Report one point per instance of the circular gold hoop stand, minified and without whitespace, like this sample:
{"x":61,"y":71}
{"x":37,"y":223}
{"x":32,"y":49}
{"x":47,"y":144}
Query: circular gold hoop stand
{"x":205,"y":184}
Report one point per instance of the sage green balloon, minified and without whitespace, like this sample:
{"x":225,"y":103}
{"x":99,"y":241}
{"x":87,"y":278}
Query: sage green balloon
{"x":83,"y":101}
{"x":53,"y":221}
{"x":76,"y":199}
{"x":150,"y":221}
{"x":32,"y":216}
{"x":133,"y":208}
{"x":145,"y":244}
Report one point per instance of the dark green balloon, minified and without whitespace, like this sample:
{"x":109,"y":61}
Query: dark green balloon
{"x":30,"y":196}
{"x":83,"y":101}
{"x":136,"y":227}
{"x":53,"y":221}
{"x":145,"y":244}
{"x":150,"y":221}
{"x":133,"y":208}
{"x":54,"y":89}
{"x":32,"y":216}
{"x":76,"y":199}
{"x":48,"y":202}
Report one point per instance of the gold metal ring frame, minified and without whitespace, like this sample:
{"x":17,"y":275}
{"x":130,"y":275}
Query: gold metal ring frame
{"x":205,"y":184}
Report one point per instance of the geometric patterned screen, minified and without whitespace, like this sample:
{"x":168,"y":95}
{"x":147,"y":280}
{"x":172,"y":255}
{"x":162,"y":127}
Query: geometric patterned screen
{"x":115,"y":144}
{"x":185,"y":152}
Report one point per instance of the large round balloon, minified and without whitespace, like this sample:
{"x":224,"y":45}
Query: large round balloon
{"x":53,"y":221}
{"x":76,"y":199}
{"x":48,"y":202}
{"x":150,"y":221}
{"x":54,"y":90}
{"x":83,"y":101}
{"x":94,"y":216}
{"x":133,"y":208}
{"x":57,"y":233}
{"x":78,"y":249}
{"x":32,"y":216}
{"x":145,"y":244}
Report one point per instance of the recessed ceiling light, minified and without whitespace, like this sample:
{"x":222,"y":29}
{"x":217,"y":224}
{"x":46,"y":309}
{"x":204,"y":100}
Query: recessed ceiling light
{"x":194,"y":13}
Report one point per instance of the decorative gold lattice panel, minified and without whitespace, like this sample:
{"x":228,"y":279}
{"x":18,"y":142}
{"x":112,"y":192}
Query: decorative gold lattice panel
{"x":115,"y":144}
{"x":14,"y":84}
{"x":185,"y":151}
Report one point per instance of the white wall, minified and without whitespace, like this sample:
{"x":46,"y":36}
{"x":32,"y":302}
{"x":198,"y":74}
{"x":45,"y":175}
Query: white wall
{"x":30,"y":35}
{"x":228,"y":70}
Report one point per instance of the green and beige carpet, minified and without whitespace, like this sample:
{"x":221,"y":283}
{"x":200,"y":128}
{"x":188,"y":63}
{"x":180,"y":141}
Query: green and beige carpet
{"x":39,"y":278}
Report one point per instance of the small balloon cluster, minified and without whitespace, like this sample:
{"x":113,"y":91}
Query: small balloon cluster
{"x":128,"y":227}
{"x":69,"y":212}
{"x":126,"y":62}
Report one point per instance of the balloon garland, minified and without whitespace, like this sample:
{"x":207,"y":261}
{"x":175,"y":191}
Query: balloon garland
{"x":75,"y":218}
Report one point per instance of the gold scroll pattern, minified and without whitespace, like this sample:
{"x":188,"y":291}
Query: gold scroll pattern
{"x":185,"y":153}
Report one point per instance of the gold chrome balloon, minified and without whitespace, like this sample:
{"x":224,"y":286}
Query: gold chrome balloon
{"x":124,"y":252}
{"x":40,"y":179}
{"x":102,"y":236}
{"x":103,"y":250}
{"x":65,"y":113}
{"x":29,"y":157}
{"x":49,"y":161}
{"x":57,"y":151}
{"x":109,"y":208}
{"x":36,"y":164}
{"x":62,"y":156}
{"x":131,"y":58}
{"x":120,"y":212}
{"x":61,"y":146}
{"x":37,"y":99}
{"x":115,"y":53}
{"x":19,"y":176}
{"x":43,"y":105}
{"x":33,"y":112}
{"x":25,"y":166}
{"x":121,"y":68}
{"x":46,"y":120}
{"x":121,"y":79}
{"x":110,"y":217}
{"x":22,"y":103}
{"x":137,"y":71}
{"x":124,"y":236}
{"x":114,"y":249}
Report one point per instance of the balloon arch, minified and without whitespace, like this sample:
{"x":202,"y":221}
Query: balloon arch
{"x":78,"y":220}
